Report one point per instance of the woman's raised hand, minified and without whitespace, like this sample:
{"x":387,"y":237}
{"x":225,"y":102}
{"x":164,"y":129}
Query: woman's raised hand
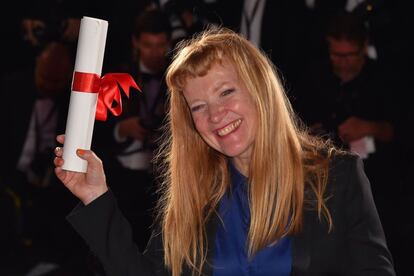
{"x":85,"y":186}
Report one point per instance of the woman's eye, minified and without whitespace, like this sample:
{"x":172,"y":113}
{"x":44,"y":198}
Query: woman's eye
{"x":196,"y":108}
{"x":227,"y":91}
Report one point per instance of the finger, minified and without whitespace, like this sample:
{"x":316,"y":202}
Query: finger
{"x":61,"y":138}
{"x":58,"y":151}
{"x":58,"y":162}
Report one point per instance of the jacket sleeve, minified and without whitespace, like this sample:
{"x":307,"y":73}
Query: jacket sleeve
{"x":108,"y":234}
{"x":367,"y":248}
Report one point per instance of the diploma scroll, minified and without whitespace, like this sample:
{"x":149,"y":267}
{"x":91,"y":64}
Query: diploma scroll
{"x":82,"y":105}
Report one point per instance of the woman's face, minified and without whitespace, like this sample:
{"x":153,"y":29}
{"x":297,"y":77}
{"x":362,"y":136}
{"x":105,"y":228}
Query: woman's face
{"x":223,"y":112}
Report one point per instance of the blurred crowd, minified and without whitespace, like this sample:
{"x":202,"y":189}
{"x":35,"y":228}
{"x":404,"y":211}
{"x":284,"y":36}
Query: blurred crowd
{"x":344,"y":63}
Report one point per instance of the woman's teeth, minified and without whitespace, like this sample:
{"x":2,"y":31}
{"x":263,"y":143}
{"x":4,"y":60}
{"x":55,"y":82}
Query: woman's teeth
{"x":229,"y":128}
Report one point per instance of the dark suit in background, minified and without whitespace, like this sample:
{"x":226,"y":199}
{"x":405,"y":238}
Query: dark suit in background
{"x":283,"y":31}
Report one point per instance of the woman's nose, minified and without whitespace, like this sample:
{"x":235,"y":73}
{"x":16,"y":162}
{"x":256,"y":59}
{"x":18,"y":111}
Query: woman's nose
{"x":216,"y":113}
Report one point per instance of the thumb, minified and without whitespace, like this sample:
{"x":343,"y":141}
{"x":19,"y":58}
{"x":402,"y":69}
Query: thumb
{"x":90,"y":156}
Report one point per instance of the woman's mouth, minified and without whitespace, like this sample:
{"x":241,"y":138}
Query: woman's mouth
{"x":229,"y":128}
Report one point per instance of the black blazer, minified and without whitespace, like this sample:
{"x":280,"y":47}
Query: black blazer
{"x":355,"y":246}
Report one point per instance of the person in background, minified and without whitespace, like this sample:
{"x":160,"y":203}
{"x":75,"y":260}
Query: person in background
{"x":132,"y":137}
{"x":352,"y":99}
{"x":279,"y":28}
{"x":187,"y":18}
{"x":246,"y":190}
{"x":33,"y":122}
{"x":37,"y":102}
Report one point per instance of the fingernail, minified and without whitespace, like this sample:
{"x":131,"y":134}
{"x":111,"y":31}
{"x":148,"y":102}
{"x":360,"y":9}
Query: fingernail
{"x":80,"y":152}
{"x":57,"y":149}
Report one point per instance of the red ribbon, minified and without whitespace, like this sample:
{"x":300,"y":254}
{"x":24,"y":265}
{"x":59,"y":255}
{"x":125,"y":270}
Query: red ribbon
{"x":107,"y":88}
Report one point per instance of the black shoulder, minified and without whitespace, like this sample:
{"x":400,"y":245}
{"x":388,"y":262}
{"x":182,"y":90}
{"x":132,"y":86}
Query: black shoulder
{"x":346,"y":173}
{"x":342,"y":162}
{"x":347,"y":179}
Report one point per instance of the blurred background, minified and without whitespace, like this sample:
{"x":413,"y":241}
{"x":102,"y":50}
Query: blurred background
{"x":345,"y":65}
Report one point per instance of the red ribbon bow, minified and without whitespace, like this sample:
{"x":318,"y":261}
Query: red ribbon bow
{"x":107,"y":88}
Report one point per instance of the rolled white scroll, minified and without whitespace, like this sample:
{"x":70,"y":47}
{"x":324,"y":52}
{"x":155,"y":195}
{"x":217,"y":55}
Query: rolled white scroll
{"x":82,"y":106}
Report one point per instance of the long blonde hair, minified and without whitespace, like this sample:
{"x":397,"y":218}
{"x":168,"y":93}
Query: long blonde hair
{"x":196,"y":176}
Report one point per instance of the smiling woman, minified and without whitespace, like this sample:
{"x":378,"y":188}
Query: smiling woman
{"x":223,"y":112}
{"x":246,"y":190}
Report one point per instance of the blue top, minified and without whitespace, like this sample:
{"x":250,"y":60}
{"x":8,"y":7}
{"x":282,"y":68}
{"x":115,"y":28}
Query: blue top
{"x":230,"y":257}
